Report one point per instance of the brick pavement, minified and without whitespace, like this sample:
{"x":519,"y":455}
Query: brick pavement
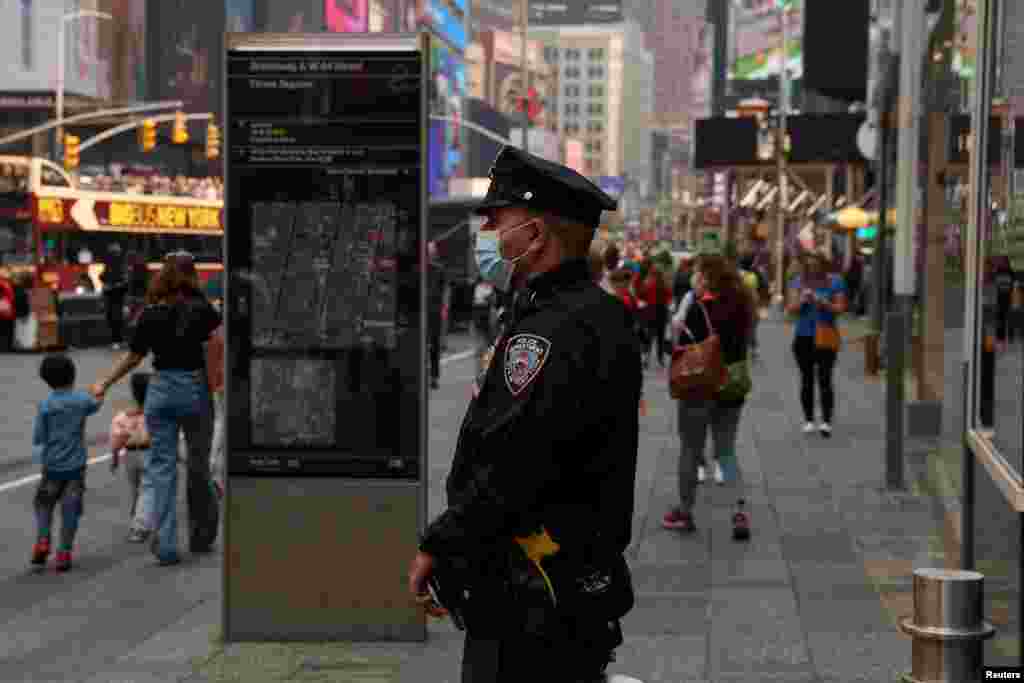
{"x":812,"y":597}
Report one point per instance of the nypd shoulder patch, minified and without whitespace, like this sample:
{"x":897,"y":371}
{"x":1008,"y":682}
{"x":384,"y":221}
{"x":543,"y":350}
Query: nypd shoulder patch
{"x":525,"y":355}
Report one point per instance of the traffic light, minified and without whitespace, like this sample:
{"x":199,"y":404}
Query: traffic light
{"x":212,"y":141}
{"x":72,"y":156}
{"x":148,"y":133}
{"x":180,"y":134}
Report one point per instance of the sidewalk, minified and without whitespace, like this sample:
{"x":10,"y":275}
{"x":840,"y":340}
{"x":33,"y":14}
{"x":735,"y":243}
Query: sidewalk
{"x":814,"y":596}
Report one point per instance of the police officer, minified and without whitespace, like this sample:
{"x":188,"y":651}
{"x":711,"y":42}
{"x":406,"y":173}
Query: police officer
{"x":540,"y":494}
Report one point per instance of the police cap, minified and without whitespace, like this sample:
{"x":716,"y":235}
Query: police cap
{"x":521,"y":179}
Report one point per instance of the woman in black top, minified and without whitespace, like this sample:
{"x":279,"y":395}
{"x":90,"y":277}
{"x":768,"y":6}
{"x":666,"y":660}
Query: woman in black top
{"x":175,"y":324}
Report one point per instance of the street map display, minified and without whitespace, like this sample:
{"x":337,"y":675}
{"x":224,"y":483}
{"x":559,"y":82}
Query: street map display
{"x":324,"y":214}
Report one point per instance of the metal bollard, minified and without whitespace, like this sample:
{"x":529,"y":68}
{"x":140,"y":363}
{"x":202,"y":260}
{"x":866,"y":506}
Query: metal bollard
{"x":947,"y":626}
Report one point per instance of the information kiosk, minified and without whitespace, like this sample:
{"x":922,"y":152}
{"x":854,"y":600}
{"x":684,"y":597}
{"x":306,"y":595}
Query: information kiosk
{"x":325,"y":212}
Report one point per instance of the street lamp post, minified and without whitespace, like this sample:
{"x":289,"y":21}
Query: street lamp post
{"x":70,"y":16}
{"x":780,"y":152}
{"x":525,"y":80}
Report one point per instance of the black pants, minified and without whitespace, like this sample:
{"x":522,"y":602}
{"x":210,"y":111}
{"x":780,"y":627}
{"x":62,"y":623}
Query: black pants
{"x":815,"y":362}
{"x":6,"y":335}
{"x":580,"y":657}
{"x":435,"y":351}
{"x":656,"y":321}
{"x":115,"y":317}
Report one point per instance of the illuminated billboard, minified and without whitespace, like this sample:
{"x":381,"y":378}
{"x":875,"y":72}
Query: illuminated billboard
{"x":347,"y":16}
{"x":757,"y":41}
{"x":447,"y":92}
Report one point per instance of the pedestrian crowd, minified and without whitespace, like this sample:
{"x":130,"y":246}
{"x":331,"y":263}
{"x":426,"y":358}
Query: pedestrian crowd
{"x":182,"y":397}
{"x":713,"y":295}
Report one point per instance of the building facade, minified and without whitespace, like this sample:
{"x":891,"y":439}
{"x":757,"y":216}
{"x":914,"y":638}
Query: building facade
{"x":605,"y":95}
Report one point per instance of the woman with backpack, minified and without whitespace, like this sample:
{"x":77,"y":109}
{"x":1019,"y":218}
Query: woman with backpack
{"x":721,"y":305}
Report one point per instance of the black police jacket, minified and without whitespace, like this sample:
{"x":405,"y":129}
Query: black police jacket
{"x":552,"y":437}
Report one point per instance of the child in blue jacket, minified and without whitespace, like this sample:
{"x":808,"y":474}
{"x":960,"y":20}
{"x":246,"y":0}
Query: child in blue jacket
{"x":58,"y":444}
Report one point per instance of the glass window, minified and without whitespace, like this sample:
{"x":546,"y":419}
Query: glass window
{"x":53,"y":178}
{"x":15,"y":241}
{"x":596,"y":53}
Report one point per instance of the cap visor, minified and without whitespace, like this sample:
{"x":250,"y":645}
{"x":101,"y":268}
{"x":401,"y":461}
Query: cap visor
{"x":489,"y":204}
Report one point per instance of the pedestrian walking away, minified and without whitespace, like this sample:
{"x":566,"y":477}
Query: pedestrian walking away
{"x":437,"y":284}
{"x":723,"y":305}
{"x":115,"y":288}
{"x":58,"y":444}
{"x":175,"y":324}
{"x":817,"y":297}
{"x":528,"y":556}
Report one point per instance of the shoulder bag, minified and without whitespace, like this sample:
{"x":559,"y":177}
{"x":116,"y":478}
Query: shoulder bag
{"x":697,"y":370}
{"x":826,"y":336}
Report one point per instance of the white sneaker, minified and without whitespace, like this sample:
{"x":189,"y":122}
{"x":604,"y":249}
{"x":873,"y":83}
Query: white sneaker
{"x":719,"y":477}
{"x":810,"y":428}
{"x":701,"y":474}
{"x":825,"y":428}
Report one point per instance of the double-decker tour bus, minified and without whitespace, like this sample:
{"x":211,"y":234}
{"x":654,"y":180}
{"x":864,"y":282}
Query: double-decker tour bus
{"x":56,"y":231}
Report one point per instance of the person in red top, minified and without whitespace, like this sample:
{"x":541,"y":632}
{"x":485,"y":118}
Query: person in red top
{"x":7,"y":312}
{"x":654,"y":296}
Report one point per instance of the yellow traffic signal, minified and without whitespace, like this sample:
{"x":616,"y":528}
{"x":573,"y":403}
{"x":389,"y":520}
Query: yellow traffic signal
{"x":180,"y":134}
{"x":212,"y":141}
{"x":72,"y":156}
{"x":148,"y":135}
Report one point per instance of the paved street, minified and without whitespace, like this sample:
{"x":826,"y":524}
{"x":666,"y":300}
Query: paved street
{"x":813,"y":597}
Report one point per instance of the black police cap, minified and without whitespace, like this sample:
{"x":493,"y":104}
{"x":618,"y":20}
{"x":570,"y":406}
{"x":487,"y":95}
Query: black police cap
{"x":521,"y":179}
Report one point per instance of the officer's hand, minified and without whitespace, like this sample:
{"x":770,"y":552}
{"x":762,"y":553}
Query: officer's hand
{"x":419,"y":571}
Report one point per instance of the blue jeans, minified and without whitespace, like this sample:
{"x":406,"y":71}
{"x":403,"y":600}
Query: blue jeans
{"x":177,"y":400}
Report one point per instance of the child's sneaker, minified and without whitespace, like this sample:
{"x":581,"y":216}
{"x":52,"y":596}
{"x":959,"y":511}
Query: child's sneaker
{"x":63,"y":560}
{"x":41,"y":551}
{"x":810,"y":428}
{"x":826,"y":429}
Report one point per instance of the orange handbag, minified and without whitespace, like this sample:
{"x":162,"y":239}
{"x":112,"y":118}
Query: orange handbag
{"x":826,"y":337}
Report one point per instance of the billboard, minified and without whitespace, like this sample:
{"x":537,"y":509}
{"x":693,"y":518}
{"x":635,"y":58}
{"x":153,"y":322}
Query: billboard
{"x":129,"y":64}
{"x":700,"y":80}
{"x":447,"y":92}
{"x":612,"y":185}
{"x":241,"y":16}
{"x":574,"y":155}
{"x":757,"y":41}
{"x":446,"y":23}
{"x":575,"y":12}
{"x":347,"y":16}
{"x":184,"y":49}
{"x":294,"y":16}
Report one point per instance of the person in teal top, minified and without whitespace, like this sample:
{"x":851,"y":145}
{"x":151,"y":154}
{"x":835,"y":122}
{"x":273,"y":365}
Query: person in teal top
{"x":817,"y":297}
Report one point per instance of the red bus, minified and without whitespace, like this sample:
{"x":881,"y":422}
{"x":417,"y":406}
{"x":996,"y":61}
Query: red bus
{"x":56,"y":231}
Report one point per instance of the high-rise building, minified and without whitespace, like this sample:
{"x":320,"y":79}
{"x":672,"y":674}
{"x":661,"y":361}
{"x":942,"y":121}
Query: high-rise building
{"x":605,"y":94}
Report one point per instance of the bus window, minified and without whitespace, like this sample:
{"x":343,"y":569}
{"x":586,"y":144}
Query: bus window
{"x":51,"y":177}
{"x":15,"y":241}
